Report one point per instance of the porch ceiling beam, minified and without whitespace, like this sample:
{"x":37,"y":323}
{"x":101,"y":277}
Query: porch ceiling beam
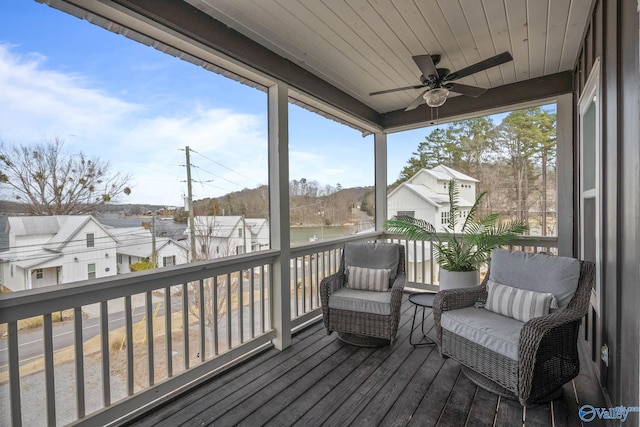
{"x":192,"y":22}
{"x":496,"y":98}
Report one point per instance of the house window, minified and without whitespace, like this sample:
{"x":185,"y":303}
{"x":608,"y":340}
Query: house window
{"x":168,"y":260}
{"x":412,"y":214}
{"x":239,"y":232}
{"x":91,"y":271}
{"x":119,"y":258}
{"x":39,"y":273}
{"x":444,"y":217}
{"x":204,"y":250}
{"x":90,"y":240}
{"x":239,"y":250}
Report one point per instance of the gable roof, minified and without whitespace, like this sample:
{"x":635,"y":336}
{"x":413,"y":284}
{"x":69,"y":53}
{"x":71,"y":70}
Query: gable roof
{"x":137,"y":241}
{"x":443,"y":170}
{"x":61,"y":228}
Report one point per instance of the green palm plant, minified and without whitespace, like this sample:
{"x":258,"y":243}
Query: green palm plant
{"x":465,"y":248}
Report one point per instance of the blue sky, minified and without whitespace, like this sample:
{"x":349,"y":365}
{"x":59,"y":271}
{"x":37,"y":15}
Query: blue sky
{"x":120,"y":101}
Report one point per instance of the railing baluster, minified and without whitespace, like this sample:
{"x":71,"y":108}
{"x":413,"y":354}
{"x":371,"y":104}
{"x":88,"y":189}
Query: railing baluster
{"x":202,"y":313}
{"x":79,"y":360}
{"x":185,"y":324}
{"x":424,"y":267}
{"x":304,"y":284}
{"x":317,"y":281}
{"x":128,"y":321}
{"x":295,"y":287}
{"x":104,"y":343}
{"x":228,"y":311}
{"x":149,"y":333}
{"x":252,"y":302}
{"x":168,"y":336}
{"x":262,"y":299}
{"x":14,"y":374}
{"x":240,"y":306}
{"x":214,"y":293}
{"x":49,"y":373}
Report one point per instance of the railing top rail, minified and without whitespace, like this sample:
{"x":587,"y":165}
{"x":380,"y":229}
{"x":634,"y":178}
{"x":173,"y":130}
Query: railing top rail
{"x":520,"y":240}
{"x":312,"y":248}
{"x":34,"y":302}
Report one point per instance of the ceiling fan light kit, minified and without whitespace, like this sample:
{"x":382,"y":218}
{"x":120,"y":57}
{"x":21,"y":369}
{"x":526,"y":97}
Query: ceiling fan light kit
{"x":436,"y":97}
{"x":438,"y":82}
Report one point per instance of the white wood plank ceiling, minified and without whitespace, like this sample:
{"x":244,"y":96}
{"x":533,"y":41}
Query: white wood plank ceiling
{"x":363,"y":46}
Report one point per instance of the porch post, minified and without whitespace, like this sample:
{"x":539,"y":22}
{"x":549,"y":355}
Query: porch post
{"x":564,"y":174}
{"x":380,"y":142}
{"x":279,"y":212}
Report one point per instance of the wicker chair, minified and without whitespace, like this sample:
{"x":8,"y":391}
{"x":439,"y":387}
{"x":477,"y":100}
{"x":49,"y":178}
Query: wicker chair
{"x":546,"y":347}
{"x":364,"y":317}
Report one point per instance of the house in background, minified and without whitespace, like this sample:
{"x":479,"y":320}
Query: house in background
{"x":221,"y":236}
{"x":259,"y":228}
{"x":135,"y":244}
{"x":51,"y":250}
{"x":426,"y":196}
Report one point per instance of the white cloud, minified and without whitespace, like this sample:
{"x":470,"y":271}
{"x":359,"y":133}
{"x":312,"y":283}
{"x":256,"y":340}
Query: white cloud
{"x":147,"y":140}
{"x":41,"y":103}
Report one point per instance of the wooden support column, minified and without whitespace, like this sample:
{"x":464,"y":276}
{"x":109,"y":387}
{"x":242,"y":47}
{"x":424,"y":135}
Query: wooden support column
{"x":279,"y":213}
{"x":564,"y":174}
{"x":380,"y":143}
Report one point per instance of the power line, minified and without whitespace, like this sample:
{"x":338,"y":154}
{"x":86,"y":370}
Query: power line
{"x":228,"y":168}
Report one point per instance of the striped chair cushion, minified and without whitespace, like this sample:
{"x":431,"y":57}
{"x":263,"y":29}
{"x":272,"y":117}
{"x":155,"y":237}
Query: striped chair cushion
{"x":368,"y":279}
{"x":518,"y":303}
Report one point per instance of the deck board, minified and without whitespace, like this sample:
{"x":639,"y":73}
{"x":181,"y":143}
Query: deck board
{"x":320,"y":380}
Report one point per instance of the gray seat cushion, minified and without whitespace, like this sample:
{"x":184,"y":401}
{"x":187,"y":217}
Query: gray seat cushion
{"x":537,"y":272}
{"x":486,"y":328}
{"x":361,"y":301}
{"x":373,"y":255}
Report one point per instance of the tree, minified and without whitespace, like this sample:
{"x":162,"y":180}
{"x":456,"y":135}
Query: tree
{"x":434,"y":150}
{"x":519,"y":135}
{"x":53,"y":182}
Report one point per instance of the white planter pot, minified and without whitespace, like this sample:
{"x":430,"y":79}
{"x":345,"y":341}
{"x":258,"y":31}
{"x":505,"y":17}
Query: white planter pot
{"x":458,"y":279}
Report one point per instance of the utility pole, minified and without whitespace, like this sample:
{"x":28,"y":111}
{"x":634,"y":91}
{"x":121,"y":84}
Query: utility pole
{"x":154,"y":256}
{"x":192,"y":228}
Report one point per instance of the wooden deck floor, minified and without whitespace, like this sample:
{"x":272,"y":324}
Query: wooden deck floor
{"x":321,"y":381}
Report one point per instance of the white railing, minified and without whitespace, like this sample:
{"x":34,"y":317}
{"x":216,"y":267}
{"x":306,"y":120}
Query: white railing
{"x":120,"y":351}
{"x":130,"y":339}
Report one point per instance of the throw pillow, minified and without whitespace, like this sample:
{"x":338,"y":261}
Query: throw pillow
{"x":518,"y":303}
{"x":368,"y":279}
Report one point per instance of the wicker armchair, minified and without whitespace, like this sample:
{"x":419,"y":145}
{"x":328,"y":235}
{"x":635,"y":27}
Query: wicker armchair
{"x":364,"y":317}
{"x":546,"y":353}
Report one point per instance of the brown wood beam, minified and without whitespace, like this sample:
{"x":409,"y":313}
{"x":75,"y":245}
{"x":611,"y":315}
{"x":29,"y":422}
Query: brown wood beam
{"x":502,"y":96}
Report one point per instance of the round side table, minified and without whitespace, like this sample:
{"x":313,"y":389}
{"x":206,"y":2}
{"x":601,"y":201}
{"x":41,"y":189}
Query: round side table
{"x":424,"y":300}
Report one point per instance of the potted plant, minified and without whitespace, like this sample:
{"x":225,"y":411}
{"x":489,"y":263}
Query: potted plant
{"x":459,"y":250}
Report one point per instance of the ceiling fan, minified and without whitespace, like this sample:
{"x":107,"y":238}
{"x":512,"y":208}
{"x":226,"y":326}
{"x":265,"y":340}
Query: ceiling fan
{"x":437,"y":82}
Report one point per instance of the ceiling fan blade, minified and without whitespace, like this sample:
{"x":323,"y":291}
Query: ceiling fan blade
{"x":419,"y":100}
{"x":426,"y":65}
{"x":396,"y":90}
{"x":472,"y":91}
{"x":480,"y":66}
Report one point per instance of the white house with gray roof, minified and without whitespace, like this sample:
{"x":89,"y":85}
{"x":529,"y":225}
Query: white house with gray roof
{"x":221,"y":236}
{"x":135,"y":244}
{"x":426,"y":196}
{"x":52,"y":250}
